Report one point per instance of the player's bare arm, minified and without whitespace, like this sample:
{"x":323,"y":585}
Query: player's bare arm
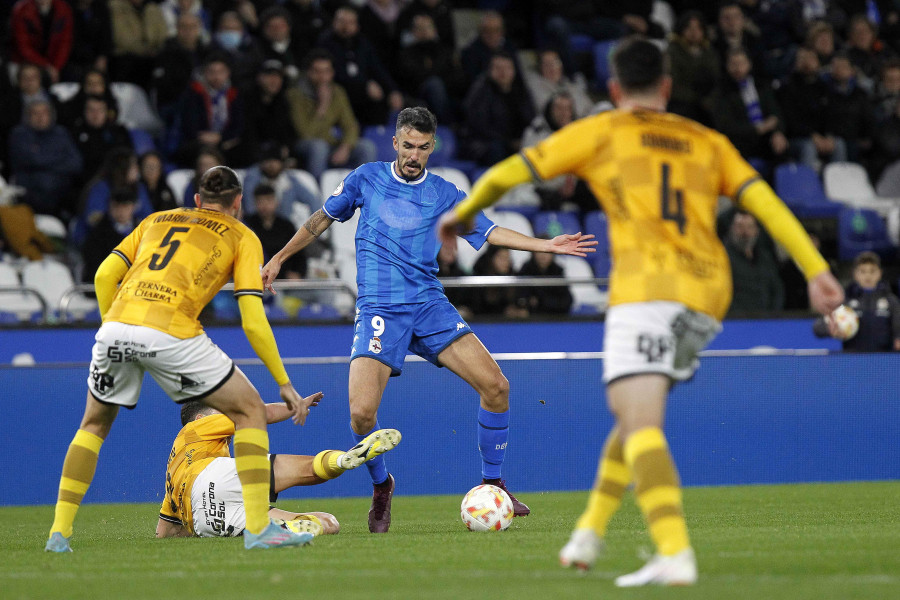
{"x":314,"y":227}
{"x":165,"y":529}
{"x":574,"y":244}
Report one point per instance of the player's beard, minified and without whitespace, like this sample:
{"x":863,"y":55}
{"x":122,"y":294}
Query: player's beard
{"x":411,"y":164}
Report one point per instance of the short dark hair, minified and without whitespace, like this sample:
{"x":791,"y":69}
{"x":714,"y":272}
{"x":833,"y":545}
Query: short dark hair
{"x":219,"y":185}
{"x":317,"y":54}
{"x":685,"y":18}
{"x":867,"y":258}
{"x":416,"y":117}
{"x":263,"y":189}
{"x":638,"y":65}
{"x":190,"y":410}
{"x":124,"y":195}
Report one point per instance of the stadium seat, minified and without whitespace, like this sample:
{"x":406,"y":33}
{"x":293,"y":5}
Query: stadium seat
{"x":317,"y":311}
{"x":15,"y":306}
{"x":53,"y":280}
{"x":799,"y":186}
{"x":135,"y":110}
{"x":454,"y":176}
{"x":860,"y":230}
{"x":142,"y":141}
{"x":664,"y":14}
{"x":65,"y":90}
{"x":847,"y":183}
{"x":554,"y":223}
{"x":444,"y":147}
{"x":178,"y":180}
{"x":602,"y":52}
{"x":595,"y":223}
{"x":343,"y":238}
{"x":580,"y":42}
{"x":225,"y":306}
{"x":888,"y":185}
{"x":307,"y":179}
{"x":330,"y":179}
{"x":466,"y":255}
{"x":583,"y":294}
{"x":383,"y":138}
{"x":51,"y":226}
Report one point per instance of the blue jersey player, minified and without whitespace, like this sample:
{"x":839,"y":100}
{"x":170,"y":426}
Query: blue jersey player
{"x":401,"y":305}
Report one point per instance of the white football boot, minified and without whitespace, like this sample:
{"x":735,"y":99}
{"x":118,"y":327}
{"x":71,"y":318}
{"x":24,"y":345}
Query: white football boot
{"x":678,"y":569}
{"x":582,"y":550}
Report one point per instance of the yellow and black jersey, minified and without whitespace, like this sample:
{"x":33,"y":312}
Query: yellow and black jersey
{"x":658,"y":177}
{"x":197,"y":444}
{"x":178,"y":260}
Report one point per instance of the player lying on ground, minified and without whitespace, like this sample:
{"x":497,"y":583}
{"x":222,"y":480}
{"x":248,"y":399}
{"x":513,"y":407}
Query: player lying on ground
{"x":658,"y":178}
{"x":203,"y":494}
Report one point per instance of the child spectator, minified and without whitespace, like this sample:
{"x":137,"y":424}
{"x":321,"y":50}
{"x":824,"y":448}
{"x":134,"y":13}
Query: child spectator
{"x":117,"y":222}
{"x":876,"y":306}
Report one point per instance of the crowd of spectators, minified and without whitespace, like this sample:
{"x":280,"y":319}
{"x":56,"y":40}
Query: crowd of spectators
{"x":272,"y":85}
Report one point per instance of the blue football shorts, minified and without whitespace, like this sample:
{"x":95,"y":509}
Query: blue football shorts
{"x":387,"y":332}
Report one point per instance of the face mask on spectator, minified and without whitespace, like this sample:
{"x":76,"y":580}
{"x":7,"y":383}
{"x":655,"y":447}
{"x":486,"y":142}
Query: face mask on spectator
{"x":229,"y":39}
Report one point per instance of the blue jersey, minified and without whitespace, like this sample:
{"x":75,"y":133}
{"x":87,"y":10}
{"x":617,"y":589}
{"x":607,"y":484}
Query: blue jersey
{"x":396,"y":244}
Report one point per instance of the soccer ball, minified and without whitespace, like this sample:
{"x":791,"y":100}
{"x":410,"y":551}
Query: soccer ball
{"x":845,"y":320}
{"x":486,"y":508}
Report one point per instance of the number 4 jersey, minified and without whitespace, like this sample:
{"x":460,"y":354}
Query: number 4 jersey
{"x":658,"y":177}
{"x":178,"y":260}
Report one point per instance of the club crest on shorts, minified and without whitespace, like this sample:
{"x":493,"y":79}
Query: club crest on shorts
{"x":375,"y":345}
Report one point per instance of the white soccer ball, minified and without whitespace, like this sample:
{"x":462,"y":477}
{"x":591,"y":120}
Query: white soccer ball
{"x":845,"y":321}
{"x":486,"y":508}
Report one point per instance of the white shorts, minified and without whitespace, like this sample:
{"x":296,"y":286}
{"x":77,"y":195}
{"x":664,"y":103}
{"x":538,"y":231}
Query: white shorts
{"x":185,"y":369}
{"x":216,"y":501}
{"x":655,"y":337}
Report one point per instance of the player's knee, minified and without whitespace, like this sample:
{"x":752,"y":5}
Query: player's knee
{"x":361,"y":419}
{"x":496,"y":393}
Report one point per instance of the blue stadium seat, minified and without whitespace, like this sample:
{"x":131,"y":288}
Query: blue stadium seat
{"x":595,"y":222}
{"x":580,"y":42}
{"x":554,"y":223}
{"x":316,"y":311}
{"x":444,"y":148}
{"x":526,"y":211}
{"x":859,"y":230}
{"x":142,"y":141}
{"x":602,"y":70}
{"x":383,"y":138}
{"x":800,"y":188}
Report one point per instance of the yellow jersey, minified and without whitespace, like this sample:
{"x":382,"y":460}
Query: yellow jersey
{"x":197,"y":444}
{"x":178,"y":260}
{"x":658,"y":177}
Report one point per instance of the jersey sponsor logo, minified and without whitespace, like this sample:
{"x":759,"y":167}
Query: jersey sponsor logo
{"x":375,"y":345}
{"x":340,"y":188}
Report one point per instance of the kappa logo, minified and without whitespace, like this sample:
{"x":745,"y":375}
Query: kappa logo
{"x":460,"y":325}
{"x":375,"y":345}
{"x":340,"y":188}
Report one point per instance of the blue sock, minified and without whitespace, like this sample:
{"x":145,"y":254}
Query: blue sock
{"x":377,"y":469}
{"x":493,"y":431}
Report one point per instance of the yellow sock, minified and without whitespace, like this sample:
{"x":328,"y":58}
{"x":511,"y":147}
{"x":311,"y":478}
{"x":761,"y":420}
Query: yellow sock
{"x":77,"y":474}
{"x":609,"y":487}
{"x":325,"y":464}
{"x":658,"y":489}
{"x":251,"y":447}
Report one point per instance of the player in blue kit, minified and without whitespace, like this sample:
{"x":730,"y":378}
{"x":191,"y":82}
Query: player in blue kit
{"x":401,"y":306}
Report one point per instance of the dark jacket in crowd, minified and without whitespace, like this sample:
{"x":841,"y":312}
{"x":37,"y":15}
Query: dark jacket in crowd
{"x":495,"y":120}
{"x":850,"y":112}
{"x":730,"y":117}
{"x":757,"y":284}
{"x":174,"y":71}
{"x":441,"y":14}
{"x":879,"y":319}
{"x":552,"y":300}
{"x":101,"y":240}
{"x":274,"y":239}
{"x":804,"y":103}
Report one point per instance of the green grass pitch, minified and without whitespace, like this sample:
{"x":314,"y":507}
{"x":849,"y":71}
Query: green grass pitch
{"x":754,"y":542}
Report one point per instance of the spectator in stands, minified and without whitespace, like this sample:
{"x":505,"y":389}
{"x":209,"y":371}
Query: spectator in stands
{"x":368,"y":84}
{"x":745,"y":110}
{"x":295,"y":201}
{"x":321,"y":113}
{"x":207,"y":158}
{"x":887,"y":90}
{"x":508,"y":301}
{"x":804,"y":103}
{"x":268,"y":111}
{"x":820,"y":39}
{"x":441,"y":14}
{"x":782,"y":27}
{"x":276,"y":42}
{"x":734,"y":32}
{"x":851,"y":112}
{"x":274,"y":231}
{"x":428,"y":70}
{"x":448,"y":266}
{"x":232,"y":40}
{"x":883,"y":14}
{"x":179,"y":61}
{"x":476,"y":57}
{"x":161,"y":195}
{"x":43,"y":159}
{"x":694,"y":67}
{"x":91,"y":38}
{"x":139,"y":32}
{"x":173,"y":10}
{"x":497,"y":109}
{"x":378,"y":23}
{"x":757,"y":286}
{"x":95,"y":134}
{"x":545,"y":300}
{"x":550,"y":79}
{"x":309,"y":18}
{"x":42,"y":34}
{"x":867,"y":53}
{"x":877,"y":308}
{"x":117,"y":222}
{"x":28,"y":88}
{"x":93,"y":83}
{"x":213,"y":114}
{"x":565,"y":192}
